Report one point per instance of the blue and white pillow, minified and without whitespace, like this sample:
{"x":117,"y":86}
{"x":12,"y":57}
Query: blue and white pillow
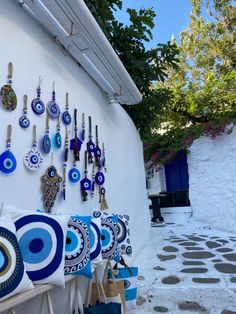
{"x":77,"y":251}
{"x":110,"y":248}
{"x":95,"y":242}
{"x":123,"y":235}
{"x":41,"y":239}
{"x":13,"y":277}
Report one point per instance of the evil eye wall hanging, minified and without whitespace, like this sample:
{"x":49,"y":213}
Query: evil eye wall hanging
{"x":76,"y":143}
{"x":99,"y":178}
{"x":8,"y":95}
{"x":57,"y":137}
{"x":85,"y":184}
{"x":7,"y":159}
{"x":90,"y":144}
{"x":74,"y":174}
{"x":33,"y":158}
{"x":24,"y":121}
{"x":66,"y":117}
{"x":82,"y":133}
{"x":37,"y":104}
{"x":50,"y":186}
{"x":46,"y":143}
{"x":66,"y":155}
{"x":97,"y":151}
{"x":52,"y":107}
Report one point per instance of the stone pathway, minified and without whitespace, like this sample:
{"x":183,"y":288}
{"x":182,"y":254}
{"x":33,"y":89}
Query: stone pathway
{"x":187,"y":272}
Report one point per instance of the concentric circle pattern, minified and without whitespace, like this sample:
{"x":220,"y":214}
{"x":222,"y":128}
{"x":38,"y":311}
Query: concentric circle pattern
{"x":37,"y":106}
{"x":95,"y":243}
{"x":109,"y":238}
{"x":33,"y":159}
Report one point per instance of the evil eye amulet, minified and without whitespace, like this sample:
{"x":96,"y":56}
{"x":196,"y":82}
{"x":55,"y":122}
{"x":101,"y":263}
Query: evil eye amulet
{"x":46,"y":144}
{"x":7,"y":162}
{"x":74,"y":175}
{"x":53,"y":110}
{"x":90,"y":147}
{"x":99,"y":178}
{"x":66,"y":117}
{"x":85,"y":184}
{"x":57,"y":140}
{"x":37,"y":106}
{"x":52,"y":172}
{"x":97,"y":152}
{"x":24,"y":122}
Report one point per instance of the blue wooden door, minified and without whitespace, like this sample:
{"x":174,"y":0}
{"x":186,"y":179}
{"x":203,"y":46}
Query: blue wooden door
{"x":176,"y":173}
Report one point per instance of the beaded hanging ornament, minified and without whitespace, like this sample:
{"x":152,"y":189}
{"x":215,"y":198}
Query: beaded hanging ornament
{"x":46,"y":143}
{"x":90,"y":144}
{"x":33,"y":158}
{"x":8,"y":95}
{"x":24,"y":120}
{"x":50,"y":186}
{"x":82,"y":133}
{"x":8,"y":161}
{"x":37,"y":104}
{"x":52,"y":107}
{"x":85,"y":184}
{"x":57,"y":137}
{"x":75,"y":143}
{"x":97,"y":151}
{"x":66,"y":155}
{"x":93,"y":182}
{"x":66,"y":117}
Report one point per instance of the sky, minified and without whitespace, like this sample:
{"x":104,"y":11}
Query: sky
{"x":172,"y":17}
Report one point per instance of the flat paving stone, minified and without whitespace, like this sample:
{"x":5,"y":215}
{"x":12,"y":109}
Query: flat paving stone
{"x":203,"y":235}
{"x":193,"y":238}
{"x":226,"y":268}
{"x":161,"y":309}
{"x":158,"y":268}
{"x":214,"y":237}
{"x":212,"y":244}
{"x":170,"y":223}
{"x":230,"y":257}
{"x":232,"y":239}
{"x":233,"y":280}
{"x":193,"y":263}
{"x":223,"y":241}
{"x":141,"y":278}
{"x":224,"y":250}
{"x":177,"y":241}
{"x":205,"y":280}
{"x":140,"y":300}
{"x":170,"y":249}
{"x":228,"y":312}
{"x":193,"y":248}
{"x":216,"y":260}
{"x":194,"y":270}
{"x":166,"y":257}
{"x":170,"y":280}
{"x":198,"y":255}
{"x":188,"y":243}
{"x":158,"y":226}
{"x":192,"y":306}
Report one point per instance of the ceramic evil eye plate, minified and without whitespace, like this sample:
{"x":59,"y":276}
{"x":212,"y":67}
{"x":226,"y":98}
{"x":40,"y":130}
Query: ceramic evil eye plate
{"x":37,"y":106}
{"x":57,"y":140}
{"x":53,"y":109}
{"x":7,"y":162}
{"x":74,"y":175}
{"x":33,"y":159}
{"x":99,"y":178}
{"x":46,"y":145}
{"x":66,"y":117}
{"x":24,"y":122}
{"x":8,"y":97}
{"x":85,"y":184}
{"x":90,"y":147}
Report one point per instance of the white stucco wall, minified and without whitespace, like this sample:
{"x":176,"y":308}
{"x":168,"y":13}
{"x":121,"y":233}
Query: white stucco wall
{"x":212,"y":181}
{"x":34,"y":53}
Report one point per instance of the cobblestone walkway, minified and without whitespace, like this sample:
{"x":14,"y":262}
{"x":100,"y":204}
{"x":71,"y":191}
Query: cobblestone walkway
{"x":181,"y":271}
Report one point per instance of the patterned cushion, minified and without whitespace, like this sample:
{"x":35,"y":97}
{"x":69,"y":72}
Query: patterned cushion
{"x":95,"y":242}
{"x":77,"y":251}
{"x":13,"y":277}
{"x":110,"y":248}
{"x":41,"y":239}
{"x":123,"y":235}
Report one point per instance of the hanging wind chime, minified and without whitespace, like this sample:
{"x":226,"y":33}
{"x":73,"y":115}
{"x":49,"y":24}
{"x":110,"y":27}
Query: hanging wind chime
{"x":52,"y":107}
{"x":24,"y":120}
{"x":66,"y":155}
{"x":85,"y":184}
{"x":66,"y":117}
{"x":8,"y":95}
{"x":57,"y":137}
{"x":37,"y":104}
{"x":7,"y":159}
{"x":90,"y":144}
{"x":33,"y":158}
{"x":50,"y":186}
{"x":46,"y":144}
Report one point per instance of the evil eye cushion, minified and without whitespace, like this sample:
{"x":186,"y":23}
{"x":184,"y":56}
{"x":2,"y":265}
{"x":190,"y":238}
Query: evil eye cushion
{"x":77,"y":251}
{"x":123,"y":235}
{"x":110,"y":248}
{"x":41,"y":239}
{"x":13,"y":277}
{"x":95,"y":242}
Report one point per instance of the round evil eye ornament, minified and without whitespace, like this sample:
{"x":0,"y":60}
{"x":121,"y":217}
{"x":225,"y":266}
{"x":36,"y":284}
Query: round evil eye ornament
{"x":24,"y":122}
{"x":99,"y":178}
{"x":97,"y":152}
{"x":53,"y":110}
{"x":90,"y":146}
{"x":33,"y":159}
{"x":74,"y":175}
{"x":85,"y":184}
{"x":66,"y":117}
{"x":46,"y":144}
{"x":57,"y":140}
{"x":7,"y":162}
{"x":38,"y":106}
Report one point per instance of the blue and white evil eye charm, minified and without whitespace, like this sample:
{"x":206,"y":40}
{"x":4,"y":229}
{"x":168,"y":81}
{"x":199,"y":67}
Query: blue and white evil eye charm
{"x":97,"y":152}
{"x":90,"y":146}
{"x":53,"y":109}
{"x":85,"y":184}
{"x":46,"y":144}
{"x":66,"y":117}
{"x":57,"y":140}
{"x":33,"y":159}
{"x":52,"y":172}
{"x":7,"y":162}
{"x":37,"y":106}
{"x":24,"y":122}
{"x":74,"y":175}
{"x":99,"y":178}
